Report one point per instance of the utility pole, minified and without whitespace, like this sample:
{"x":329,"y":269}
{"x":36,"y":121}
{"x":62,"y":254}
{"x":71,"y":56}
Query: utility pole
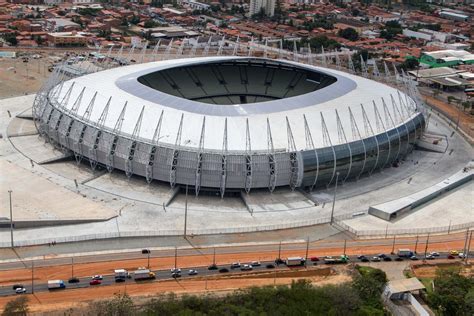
{"x":186,"y":212}
{"x":148,"y":260}
{"x":465,"y":241}
{"x":427,"y":242}
{"x":334,"y":198}
{"x":279,"y":251}
{"x":345,"y":241}
{"x":214,"y":257}
{"x":11,"y":217}
{"x":72,"y":267}
{"x":175,"y":257}
{"x":416,"y":243}
{"x":32,"y":277}
{"x":307,"y":250}
{"x":468,"y":247}
{"x":393,"y":246}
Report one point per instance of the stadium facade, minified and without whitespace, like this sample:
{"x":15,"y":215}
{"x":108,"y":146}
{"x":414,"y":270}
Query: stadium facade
{"x":231,"y":123}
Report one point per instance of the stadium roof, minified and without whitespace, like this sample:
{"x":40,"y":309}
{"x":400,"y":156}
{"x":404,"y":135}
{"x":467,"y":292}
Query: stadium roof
{"x":348,"y":91}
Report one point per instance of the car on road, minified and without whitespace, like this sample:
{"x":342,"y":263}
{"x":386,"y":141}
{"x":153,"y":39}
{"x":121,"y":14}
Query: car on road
{"x":73,"y":280}
{"x":279,"y":261}
{"x":461,"y":255}
{"x":175,"y":270}
{"x":97,"y":277}
{"x":17,"y":286}
{"x":430,"y":257}
{"x":413,"y":258}
{"x":451,"y":257}
{"x":270,"y":266}
{"x":454,"y":252}
{"x":381,"y":255}
{"x":246,"y":267}
{"x":376,"y":259}
{"x":434,"y":254}
{"x":235,"y":265}
{"x":95,"y":282}
{"x":387,"y":258}
{"x":223,"y":270}
{"x":255,"y":263}
{"x":398,"y":259}
{"x":314,"y":259}
{"x":192,"y":272}
{"x":20,"y":290}
{"x":145,"y":251}
{"x":364,"y":259}
{"x":118,"y":280}
{"x":213,"y":267}
{"x":175,"y":275}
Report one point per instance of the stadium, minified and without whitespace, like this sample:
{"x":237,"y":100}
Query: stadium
{"x":230,"y":124}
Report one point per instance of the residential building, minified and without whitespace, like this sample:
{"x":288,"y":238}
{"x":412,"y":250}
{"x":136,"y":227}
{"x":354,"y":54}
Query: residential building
{"x":267,"y":5}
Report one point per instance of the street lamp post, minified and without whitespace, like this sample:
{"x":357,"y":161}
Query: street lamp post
{"x":11,"y":217}
{"x":334,"y":198}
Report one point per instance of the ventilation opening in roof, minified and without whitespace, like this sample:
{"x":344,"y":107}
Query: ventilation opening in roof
{"x":237,"y":81}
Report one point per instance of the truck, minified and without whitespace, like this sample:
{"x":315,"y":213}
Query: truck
{"x":143,"y":274}
{"x":121,"y":274}
{"x":341,"y":259}
{"x":407,"y":253}
{"x":56,"y":284}
{"x":294,"y":261}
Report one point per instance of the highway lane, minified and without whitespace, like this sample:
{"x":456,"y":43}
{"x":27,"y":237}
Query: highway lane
{"x":317,"y":246}
{"x":161,"y":275}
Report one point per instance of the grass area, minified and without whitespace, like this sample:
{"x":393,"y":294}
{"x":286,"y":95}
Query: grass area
{"x":427,"y":282}
{"x":365,"y":270}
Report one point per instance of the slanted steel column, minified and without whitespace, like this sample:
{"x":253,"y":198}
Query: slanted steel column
{"x":271,"y":159}
{"x":152,"y":151}
{"x":197,"y":180}
{"x":236,"y":46}
{"x":356,"y":136}
{"x":86,"y":118}
{"x":117,"y":129}
{"x":310,"y":145}
{"x":327,"y":141}
{"x":98,"y":134}
{"x":133,"y":145}
{"x":248,"y":158}
{"x":224,"y":161}
{"x":389,"y":120}
{"x":380,"y":122}
{"x":174,"y":163}
{"x":369,"y":131}
{"x":343,"y":140}
{"x":293,"y":159}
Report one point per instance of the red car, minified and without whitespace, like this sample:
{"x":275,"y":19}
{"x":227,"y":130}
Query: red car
{"x":314,"y":259}
{"x":451,"y":257}
{"x":95,"y":282}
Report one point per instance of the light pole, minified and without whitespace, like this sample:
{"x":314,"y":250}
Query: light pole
{"x":175,"y":257}
{"x":11,"y":217}
{"x":307,"y":250}
{"x":186,"y":212}
{"x":32,"y":277}
{"x":334,"y":198}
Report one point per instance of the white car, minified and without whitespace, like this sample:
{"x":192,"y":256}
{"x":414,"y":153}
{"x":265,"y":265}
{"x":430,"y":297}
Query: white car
{"x":192,"y":272}
{"x":461,"y":255}
{"x":246,"y":267}
{"x":434,"y":254}
{"x":20,"y":290}
{"x":97,"y":277}
{"x":235,"y":265}
{"x":175,"y":270}
{"x":255,"y":263}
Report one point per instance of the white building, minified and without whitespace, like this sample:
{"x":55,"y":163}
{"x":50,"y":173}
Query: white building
{"x":267,"y":5}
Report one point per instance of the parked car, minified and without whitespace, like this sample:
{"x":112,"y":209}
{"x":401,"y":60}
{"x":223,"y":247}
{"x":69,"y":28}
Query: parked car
{"x":381,"y":255}
{"x":95,"y":282}
{"x":213,"y":267}
{"x":413,"y":258}
{"x":20,"y":290}
{"x":364,"y":259}
{"x":376,"y":259}
{"x":192,"y":272}
{"x":73,"y":280}
{"x":398,"y":259}
{"x":223,"y":270}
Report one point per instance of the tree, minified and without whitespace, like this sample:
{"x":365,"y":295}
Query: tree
{"x":11,"y":39}
{"x":410,"y":64}
{"x":349,"y":34}
{"x":391,"y":29}
{"x":17,"y":307}
{"x":120,"y":305}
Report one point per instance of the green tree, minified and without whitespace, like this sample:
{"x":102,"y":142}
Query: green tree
{"x":410,"y":64}
{"x":16,"y":307}
{"x":349,"y":34}
{"x":120,"y":305}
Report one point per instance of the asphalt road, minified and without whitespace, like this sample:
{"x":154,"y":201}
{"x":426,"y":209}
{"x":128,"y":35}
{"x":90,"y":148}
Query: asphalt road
{"x":161,"y":275}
